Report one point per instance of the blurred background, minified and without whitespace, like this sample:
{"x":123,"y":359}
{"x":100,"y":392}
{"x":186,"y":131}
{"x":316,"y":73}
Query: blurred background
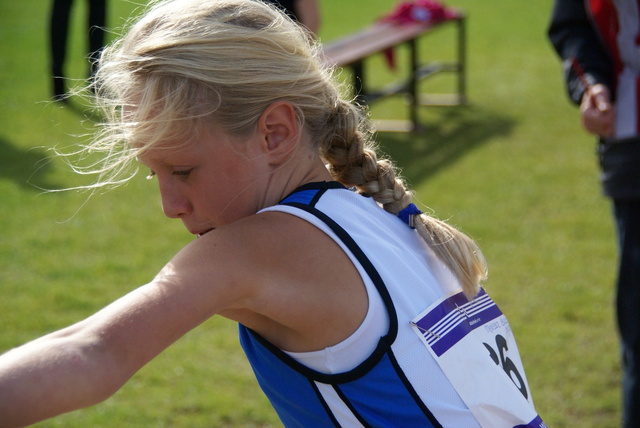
{"x":512,"y":168}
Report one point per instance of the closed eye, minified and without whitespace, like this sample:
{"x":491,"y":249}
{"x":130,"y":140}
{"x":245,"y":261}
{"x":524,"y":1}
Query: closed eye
{"x":183,"y":173}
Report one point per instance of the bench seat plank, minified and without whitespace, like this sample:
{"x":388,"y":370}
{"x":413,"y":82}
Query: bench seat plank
{"x":373,"y":39}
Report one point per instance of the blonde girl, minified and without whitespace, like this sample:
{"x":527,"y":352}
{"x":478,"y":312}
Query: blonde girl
{"x":307,"y":239}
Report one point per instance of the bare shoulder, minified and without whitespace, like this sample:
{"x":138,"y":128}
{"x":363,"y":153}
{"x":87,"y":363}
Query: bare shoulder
{"x":230,"y":265}
{"x":242,"y":260}
{"x":279,"y":275}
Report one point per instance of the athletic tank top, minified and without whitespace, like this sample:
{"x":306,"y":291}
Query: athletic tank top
{"x":398,"y":383}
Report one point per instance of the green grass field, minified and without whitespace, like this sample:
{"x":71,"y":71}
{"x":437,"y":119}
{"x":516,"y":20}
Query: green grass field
{"x":513,"y":169}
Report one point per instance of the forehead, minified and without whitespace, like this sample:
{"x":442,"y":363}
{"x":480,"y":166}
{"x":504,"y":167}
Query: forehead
{"x":194,"y":146}
{"x":166,"y":152}
{"x":159,"y":138}
{"x":152,"y":125}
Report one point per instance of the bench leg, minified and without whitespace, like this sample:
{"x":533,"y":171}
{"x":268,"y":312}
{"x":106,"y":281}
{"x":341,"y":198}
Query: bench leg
{"x":413,"y":84}
{"x":462,"y":61}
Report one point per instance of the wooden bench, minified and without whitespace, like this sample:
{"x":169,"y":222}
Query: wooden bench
{"x":352,"y":51}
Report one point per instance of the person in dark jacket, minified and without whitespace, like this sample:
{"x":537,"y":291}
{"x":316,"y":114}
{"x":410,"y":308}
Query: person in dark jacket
{"x":598,"y":41}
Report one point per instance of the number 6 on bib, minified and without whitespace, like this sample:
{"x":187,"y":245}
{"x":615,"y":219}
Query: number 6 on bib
{"x":475,"y":348}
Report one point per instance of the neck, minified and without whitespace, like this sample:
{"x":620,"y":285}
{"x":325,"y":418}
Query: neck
{"x":298,"y":170}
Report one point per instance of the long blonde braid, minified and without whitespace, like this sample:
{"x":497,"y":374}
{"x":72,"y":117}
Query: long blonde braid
{"x":353,"y":160}
{"x":223,"y":62}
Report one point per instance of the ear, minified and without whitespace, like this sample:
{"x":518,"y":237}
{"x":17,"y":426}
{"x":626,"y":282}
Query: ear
{"x":279,"y":130}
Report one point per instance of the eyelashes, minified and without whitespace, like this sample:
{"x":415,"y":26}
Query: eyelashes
{"x":181,"y":173}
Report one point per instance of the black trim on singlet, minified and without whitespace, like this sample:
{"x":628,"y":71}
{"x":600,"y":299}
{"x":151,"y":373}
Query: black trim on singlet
{"x":305,"y":198}
{"x":326,"y":407}
{"x":412,"y":391}
{"x":352,"y":409}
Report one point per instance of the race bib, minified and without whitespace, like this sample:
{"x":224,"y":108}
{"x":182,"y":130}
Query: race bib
{"x":473,"y":344}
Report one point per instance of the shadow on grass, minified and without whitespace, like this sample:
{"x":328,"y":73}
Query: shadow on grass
{"x":28,"y":168}
{"x":455,"y":133}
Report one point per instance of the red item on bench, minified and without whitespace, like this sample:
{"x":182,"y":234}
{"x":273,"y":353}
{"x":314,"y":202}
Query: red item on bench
{"x":409,"y":12}
{"x":419,"y":11}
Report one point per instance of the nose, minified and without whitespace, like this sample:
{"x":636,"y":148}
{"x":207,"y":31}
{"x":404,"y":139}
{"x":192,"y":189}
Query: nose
{"x":175,"y":204}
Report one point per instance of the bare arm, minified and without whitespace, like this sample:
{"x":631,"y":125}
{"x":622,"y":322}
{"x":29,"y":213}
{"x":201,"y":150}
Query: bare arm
{"x":250,"y":272}
{"x":86,"y":363}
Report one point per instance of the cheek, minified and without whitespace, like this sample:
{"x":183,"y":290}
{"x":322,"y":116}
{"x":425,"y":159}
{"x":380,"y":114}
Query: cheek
{"x":223,"y":200}
{"x":235,"y":201}
{"x":239,"y":175}
{"x":233,"y":186}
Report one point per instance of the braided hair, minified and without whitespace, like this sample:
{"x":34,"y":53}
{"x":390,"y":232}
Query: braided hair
{"x":224,"y":62}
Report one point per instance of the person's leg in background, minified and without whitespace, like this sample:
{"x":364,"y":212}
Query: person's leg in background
{"x":58,"y":33}
{"x":96,"y":24}
{"x":627,"y":215}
